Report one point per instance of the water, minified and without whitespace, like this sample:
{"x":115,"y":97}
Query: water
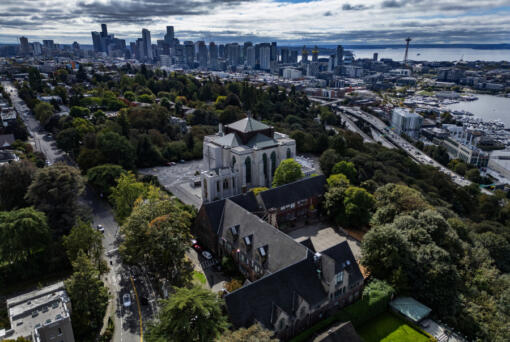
{"x":435,"y":54}
{"x":488,"y":107}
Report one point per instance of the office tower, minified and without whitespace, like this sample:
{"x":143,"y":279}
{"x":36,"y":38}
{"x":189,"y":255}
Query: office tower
{"x":250,"y":57}
{"x":132,"y":49}
{"x":104,"y":31}
{"x":312,"y":69}
{"x":169,"y":36}
{"x":213,"y":56}
{"x":265,"y":56}
{"x":304,"y":55}
{"x":376,"y":57}
{"x":76,"y":46}
{"x":96,"y":41}
{"x":315,"y":54}
{"x":331,"y":63}
{"x":147,"y":45}
{"x":202,"y":55}
{"x":339,"y":55}
{"x":36,"y":48}
{"x":293,"y":56}
{"x":24,"y":47}
{"x":233,"y":53}
{"x":221,"y":51}
{"x":165,"y":60}
{"x":274,"y":52}
{"x":189,"y":53}
{"x":245,"y":47}
{"x":284,"y":55}
{"x":140,"y":50}
{"x":49,"y":44}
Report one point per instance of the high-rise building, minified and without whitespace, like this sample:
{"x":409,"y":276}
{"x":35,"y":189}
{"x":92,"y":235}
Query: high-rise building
{"x":250,"y":57}
{"x":339,"y":55}
{"x":213,"y":56}
{"x":331,"y":63}
{"x":76,"y":46}
{"x":245,"y":47}
{"x":49,"y":44}
{"x":376,"y":57}
{"x":24,"y":47}
{"x":104,"y":31}
{"x":293,"y":56}
{"x":304,"y":55}
{"x":284,"y":55}
{"x":36,"y":48}
{"x":96,"y":41}
{"x":147,"y":44}
{"x":265,"y":56}
{"x":274,"y":52}
{"x":315,"y":54}
{"x":189,"y":53}
{"x":233,"y":53}
{"x":221,"y":51}
{"x":169,"y":36}
{"x":202,"y":55}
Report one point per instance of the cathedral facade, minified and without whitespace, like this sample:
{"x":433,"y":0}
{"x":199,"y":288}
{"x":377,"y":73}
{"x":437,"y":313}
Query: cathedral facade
{"x":243,"y":155}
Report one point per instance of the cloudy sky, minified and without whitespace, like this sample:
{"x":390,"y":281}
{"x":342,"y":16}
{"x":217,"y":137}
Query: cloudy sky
{"x":286,"y":21}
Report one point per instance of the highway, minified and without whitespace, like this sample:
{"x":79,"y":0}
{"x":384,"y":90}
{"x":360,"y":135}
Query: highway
{"x":120,"y":279}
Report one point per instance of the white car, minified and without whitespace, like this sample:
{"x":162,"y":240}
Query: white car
{"x":100,"y":228}
{"x":207,"y":255}
{"x":126,"y":300}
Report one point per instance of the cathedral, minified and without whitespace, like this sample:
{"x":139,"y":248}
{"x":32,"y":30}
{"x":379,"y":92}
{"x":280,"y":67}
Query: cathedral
{"x":243,"y":155}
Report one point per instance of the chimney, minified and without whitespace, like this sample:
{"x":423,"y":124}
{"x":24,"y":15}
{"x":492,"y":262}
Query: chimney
{"x":318,"y":265}
{"x":220,"y":129}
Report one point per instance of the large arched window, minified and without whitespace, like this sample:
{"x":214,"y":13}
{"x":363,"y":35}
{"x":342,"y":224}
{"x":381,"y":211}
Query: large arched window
{"x":289,"y":153}
{"x":264,"y":159}
{"x":247,"y":164}
{"x":273,"y":162}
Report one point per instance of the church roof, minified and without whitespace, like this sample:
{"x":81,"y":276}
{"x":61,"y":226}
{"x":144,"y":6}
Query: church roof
{"x":261,"y":141}
{"x":230,"y":140}
{"x":248,"y":125}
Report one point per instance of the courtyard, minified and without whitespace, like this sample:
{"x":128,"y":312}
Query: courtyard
{"x":390,"y":328}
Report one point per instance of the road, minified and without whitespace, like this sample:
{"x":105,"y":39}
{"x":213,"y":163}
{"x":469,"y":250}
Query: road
{"x":118,"y":280}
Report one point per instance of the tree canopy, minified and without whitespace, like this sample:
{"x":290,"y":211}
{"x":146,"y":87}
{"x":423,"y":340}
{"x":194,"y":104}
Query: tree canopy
{"x":288,"y":171}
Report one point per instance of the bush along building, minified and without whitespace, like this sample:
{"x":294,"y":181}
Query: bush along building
{"x":243,"y":155}
{"x":290,"y":285}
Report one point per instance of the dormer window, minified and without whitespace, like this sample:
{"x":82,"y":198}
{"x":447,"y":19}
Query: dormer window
{"x":234,"y":230}
{"x":247,"y":241}
{"x":263,"y":252}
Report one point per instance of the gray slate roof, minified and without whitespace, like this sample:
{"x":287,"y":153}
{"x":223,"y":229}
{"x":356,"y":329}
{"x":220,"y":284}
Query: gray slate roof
{"x":293,"y":192}
{"x":228,"y":140}
{"x":261,"y":141}
{"x":344,"y":260}
{"x":214,"y":209}
{"x":248,"y":125}
{"x":343,"y":332}
{"x":258,"y":300}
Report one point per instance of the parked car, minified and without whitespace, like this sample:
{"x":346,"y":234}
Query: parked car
{"x":207,"y":255}
{"x":100,"y":228}
{"x":126,"y":300}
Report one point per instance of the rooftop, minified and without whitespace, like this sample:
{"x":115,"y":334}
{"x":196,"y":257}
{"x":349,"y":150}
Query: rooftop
{"x":410,"y":308}
{"x":248,"y":125}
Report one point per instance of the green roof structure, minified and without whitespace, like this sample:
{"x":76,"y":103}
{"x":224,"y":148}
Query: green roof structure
{"x":410,"y":308}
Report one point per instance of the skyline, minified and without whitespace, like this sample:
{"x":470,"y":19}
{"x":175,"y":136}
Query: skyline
{"x":313,"y":21}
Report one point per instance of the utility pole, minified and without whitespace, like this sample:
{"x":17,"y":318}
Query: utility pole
{"x":408,"y":40}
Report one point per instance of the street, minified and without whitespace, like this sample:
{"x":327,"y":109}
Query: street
{"x":119,"y":280}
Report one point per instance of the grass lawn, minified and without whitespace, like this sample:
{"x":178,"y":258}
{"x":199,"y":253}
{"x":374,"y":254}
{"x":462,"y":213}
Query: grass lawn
{"x":388,"y":328}
{"x":199,"y":277}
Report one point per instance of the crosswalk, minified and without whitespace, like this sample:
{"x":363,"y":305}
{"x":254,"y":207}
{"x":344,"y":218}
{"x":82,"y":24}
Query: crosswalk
{"x":208,"y":263}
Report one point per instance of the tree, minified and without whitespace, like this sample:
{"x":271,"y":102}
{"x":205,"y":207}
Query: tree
{"x":85,"y":239}
{"x":22,"y":233}
{"x":15,"y":178}
{"x":89,"y":158}
{"x":474,"y":176}
{"x":55,"y":191}
{"x":327,"y":160}
{"x":190,"y":314}
{"x":79,"y":112}
{"x":337,"y":143}
{"x":288,"y":171}
{"x":358,"y":205}
{"x":103,"y":177}
{"x":125,"y":193}
{"x":338,"y":180}
{"x":43,"y":112}
{"x":89,"y":298}
{"x":35,"y":79}
{"x":255,"y":333}
{"x":156,"y":235}
{"x":117,"y":149}
{"x":346,"y":168}
{"x":69,"y":140}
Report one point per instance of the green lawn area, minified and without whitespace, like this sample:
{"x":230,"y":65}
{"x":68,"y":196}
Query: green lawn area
{"x":388,"y":328}
{"x":199,"y":277}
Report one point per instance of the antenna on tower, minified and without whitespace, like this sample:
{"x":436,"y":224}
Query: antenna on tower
{"x":408,"y":40}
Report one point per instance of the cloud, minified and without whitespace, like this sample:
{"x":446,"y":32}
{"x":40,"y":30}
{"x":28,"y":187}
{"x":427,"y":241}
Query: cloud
{"x":349,"y":7}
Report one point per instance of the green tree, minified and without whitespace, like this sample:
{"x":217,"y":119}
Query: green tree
{"x":125,"y":193}
{"x":15,"y":178}
{"x":255,"y":333}
{"x":89,"y":298}
{"x":79,"y":112}
{"x":156,"y":235}
{"x":85,"y":239}
{"x":338,"y":180}
{"x":346,"y":168}
{"x":43,"y":112}
{"x":117,"y":149}
{"x":68,"y":139}
{"x":190,"y":314}
{"x":35,"y":79}
{"x":103,"y":177}
{"x":358,"y":205}
{"x":288,"y":171}
{"x":474,"y":176}
{"x":327,"y":160}
{"x":22,"y":233}
{"x":55,"y":191}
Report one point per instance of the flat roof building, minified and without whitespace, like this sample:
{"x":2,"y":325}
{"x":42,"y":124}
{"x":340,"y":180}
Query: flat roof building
{"x":42,"y":315}
{"x":405,"y":122}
